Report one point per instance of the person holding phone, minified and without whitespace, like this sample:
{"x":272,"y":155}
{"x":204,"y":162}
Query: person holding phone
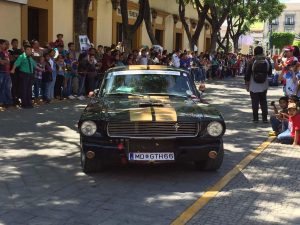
{"x":277,"y":122}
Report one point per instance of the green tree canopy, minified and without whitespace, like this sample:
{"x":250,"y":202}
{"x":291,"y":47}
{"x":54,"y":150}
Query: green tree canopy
{"x":281,"y":39}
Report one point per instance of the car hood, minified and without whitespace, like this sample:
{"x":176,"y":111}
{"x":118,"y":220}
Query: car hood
{"x":149,"y":108}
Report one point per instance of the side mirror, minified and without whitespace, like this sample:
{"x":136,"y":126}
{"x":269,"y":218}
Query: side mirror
{"x":93,"y":94}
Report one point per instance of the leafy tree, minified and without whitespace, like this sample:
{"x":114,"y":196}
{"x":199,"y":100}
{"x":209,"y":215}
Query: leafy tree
{"x":202,"y":10}
{"x":81,"y":10}
{"x":219,"y":10}
{"x":280,"y":39}
{"x":148,"y":23}
{"x":129,"y":31}
{"x":247,"y":12}
{"x":297,"y":43}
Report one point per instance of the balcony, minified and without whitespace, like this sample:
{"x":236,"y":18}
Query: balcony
{"x":289,"y":23}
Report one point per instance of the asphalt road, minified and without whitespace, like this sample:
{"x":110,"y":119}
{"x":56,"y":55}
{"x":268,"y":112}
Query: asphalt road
{"x":41,"y":180}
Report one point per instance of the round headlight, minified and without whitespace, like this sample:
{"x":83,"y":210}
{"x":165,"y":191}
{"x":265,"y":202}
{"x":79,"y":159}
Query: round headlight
{"x":214,"y":129}
{"x":88,"y":128}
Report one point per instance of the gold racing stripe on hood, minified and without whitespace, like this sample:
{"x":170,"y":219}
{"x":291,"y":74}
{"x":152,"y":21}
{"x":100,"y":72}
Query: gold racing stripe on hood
{"x":151,"y":97}
{"x":165,"y":114}
{"x":140,"y":114}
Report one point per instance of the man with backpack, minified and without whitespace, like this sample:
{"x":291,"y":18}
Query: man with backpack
{"x":256,"y":80}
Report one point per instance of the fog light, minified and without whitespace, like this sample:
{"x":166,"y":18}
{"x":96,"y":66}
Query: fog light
{"x":212,"y":154}
{"x":90,"y":154}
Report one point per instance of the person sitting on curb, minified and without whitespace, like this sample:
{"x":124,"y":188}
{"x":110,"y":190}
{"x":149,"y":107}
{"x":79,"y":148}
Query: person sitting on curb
{"x":291,"y":135}
{"x":277,"y":122}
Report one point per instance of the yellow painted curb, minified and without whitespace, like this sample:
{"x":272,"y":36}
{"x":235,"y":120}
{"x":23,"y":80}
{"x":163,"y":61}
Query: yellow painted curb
{"x":191,"y":211}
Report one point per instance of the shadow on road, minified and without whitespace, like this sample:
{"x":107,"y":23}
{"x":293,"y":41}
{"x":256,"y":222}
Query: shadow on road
{"x":42,"y":182}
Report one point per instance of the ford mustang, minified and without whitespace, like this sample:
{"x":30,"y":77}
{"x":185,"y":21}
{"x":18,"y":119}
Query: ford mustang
{"x":149,"y":114}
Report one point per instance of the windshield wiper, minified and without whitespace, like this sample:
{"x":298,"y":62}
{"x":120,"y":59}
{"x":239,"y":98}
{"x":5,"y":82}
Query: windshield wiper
{"x":168,"y":94}
{"x":122,"y":93}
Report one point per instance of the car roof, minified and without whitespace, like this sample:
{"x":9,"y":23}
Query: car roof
{"x":146,"y":67}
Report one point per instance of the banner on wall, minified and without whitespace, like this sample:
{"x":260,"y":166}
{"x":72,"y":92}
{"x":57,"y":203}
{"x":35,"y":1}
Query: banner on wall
{"x":84,"y":43}
{"x":18,"y":1}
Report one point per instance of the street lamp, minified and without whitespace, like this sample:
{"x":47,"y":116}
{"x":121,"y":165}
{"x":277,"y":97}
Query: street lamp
{"x":270,"y":35}
{"x":175,"y":18}
{"x":153,"y":13}
{"x":115,"y":4}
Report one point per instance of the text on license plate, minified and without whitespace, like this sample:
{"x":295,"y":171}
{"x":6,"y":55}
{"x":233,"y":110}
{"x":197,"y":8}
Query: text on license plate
{"x":157,"y":156}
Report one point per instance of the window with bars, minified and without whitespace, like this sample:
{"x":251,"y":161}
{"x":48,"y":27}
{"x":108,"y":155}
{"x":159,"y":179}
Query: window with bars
{"x":289,"y":20}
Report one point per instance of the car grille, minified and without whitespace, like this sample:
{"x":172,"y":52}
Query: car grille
{"x":152,"y":129}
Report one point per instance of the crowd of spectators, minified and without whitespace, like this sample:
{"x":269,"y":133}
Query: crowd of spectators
{"x":35,"y":74}
{"x":285,"y":118}
{"x":32,"y":74}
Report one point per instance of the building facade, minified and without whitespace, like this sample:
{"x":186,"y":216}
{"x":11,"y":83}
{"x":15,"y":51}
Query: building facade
{"x":43,"y":19}
{"x":288,"y":21}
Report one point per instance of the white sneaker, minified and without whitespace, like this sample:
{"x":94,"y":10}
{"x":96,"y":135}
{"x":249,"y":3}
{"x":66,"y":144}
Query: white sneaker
{"x":81,"y":97}
{"x":71,"y":97}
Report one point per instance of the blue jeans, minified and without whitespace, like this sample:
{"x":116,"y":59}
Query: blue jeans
{"x":46,"y":90}
{"x":285,"y":137}
{"x":5,"y":89}
{"x":52,"y":85}
{"x":68,"y":89}
{"x":278,"y":125}
{"x":2,"y":75}
{"x":81,"y":82}
{"x":37,"y":87}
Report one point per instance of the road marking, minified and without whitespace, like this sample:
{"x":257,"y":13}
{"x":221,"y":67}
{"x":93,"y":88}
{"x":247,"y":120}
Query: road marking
{"x":192,"y":210}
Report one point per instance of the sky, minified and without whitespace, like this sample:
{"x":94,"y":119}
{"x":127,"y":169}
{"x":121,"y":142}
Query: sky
{"x":290,"y":1}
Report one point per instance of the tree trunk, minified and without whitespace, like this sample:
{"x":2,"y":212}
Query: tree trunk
{"x":81,"y":10}
{"x":148,"y":23}
{"x":214,"y":40}
{"x":128,"y":31}
{"x":193,"y":39}
{"x":235,"y":44}
{"x":127,"y":44}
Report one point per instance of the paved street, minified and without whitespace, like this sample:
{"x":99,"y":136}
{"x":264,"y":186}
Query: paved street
{"x":41,"y":180}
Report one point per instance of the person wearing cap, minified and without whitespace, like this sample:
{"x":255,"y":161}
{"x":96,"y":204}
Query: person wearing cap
{"x":288,"y":54}
{"x":290,"y":79}
{"x":282,"y":63}
{"x":291,"y":135}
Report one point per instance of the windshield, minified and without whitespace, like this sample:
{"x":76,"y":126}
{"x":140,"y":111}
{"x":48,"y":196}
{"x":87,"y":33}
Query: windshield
{"x":147,"y":82}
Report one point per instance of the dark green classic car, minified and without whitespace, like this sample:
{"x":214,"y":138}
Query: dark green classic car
{"x":145,"y":114}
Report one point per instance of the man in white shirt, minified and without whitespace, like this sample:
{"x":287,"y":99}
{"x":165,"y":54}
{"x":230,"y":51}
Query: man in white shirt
{"x":143,"y":59}
{"x":176,"y":59}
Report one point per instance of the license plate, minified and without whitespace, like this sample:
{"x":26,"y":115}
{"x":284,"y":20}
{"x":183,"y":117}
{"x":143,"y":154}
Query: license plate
{"x":157,"y":156}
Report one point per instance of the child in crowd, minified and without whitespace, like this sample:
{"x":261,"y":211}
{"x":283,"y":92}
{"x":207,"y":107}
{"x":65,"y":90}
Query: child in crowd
{"x":290,"y":78}
{"x":59,"y":84}
{"x":297,"y":74}
{"x":46,"y":79}
{"x":68,"y":76}
{"x":277,"y":122}
{"x":75,"y":81}
{"x":291,"y":135}
{"x":91,"y":73}
{"x":40,"y":68}
{"x":59,"y":40}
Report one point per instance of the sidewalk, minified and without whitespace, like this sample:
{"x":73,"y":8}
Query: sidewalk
{"x":266,"y":192}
